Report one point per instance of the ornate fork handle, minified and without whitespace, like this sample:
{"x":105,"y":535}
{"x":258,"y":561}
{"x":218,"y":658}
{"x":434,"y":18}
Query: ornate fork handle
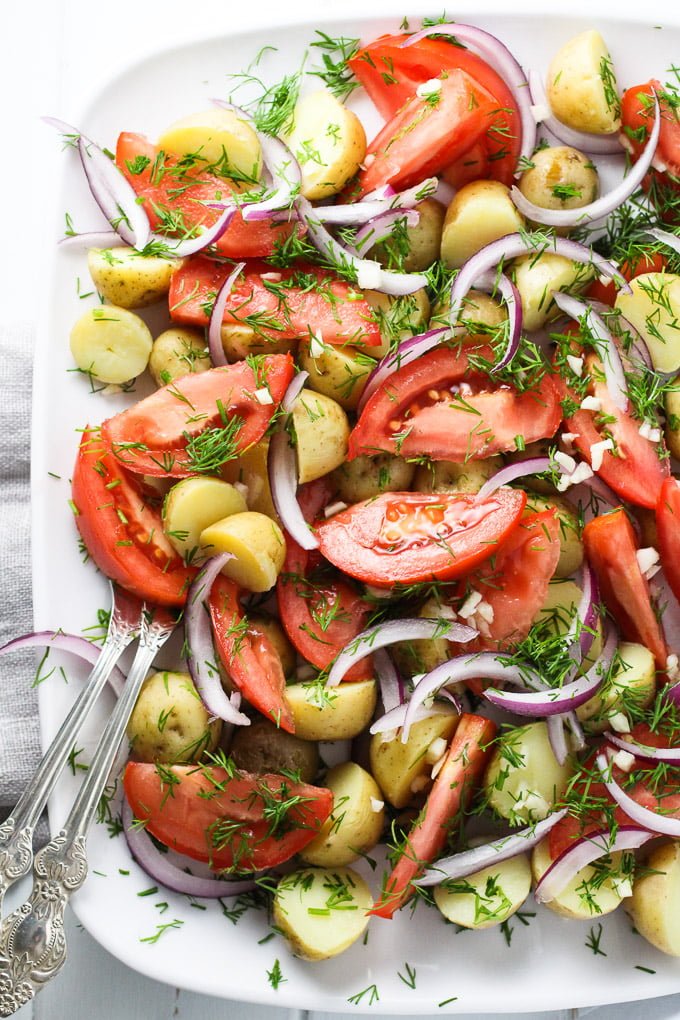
{"x":32,"y":941}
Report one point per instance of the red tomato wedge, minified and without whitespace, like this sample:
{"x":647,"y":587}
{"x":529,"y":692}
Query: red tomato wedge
{"x":668,"y":530}
{"x":643,"y":262}
{"x":427,"y":135}
{"x":278,"y":304}
{"x":248,"y":656}
{"x":455,"y":783}
{"x":122,"y":533}
{"x":198,"y":422}
{"x":174,"y":194}
{"x":634,"y":470}
{"x":611,"y":550}
{"x":391,"y":74}
{"x":406,"y":537}
{"x":440,"y":407}
{"x":637,"y":116}
{"x":231,"y":820}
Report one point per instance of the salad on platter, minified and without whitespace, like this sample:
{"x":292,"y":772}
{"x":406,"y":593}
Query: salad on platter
{"x":409,"y":473}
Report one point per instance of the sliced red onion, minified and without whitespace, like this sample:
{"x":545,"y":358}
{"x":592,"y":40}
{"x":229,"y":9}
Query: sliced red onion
{"x":470,"y":861}
{"x":384,"y":191}
{"x":669,"y":755}
{"x":391,"y":689}
{"x":513,"y":472}
{"x":668,"y":611}
{"x":598,"y":144}
{"x":605,"y":345}
{"x":577,"y":735}
{"x":114,"y":195}
{"x":585,"y":621}
{"x":672,"y":240}
{"x":602,"y":206}
{"x":551,"y":701}
{"x":369,"y":207}
{"x":408,"y":350}
{"x":369,"y":274}
{"x":74,"y":644}
{"x":558,"y":738}
{"x":217,"y":355}
{"x":181,"y":248}
{"x":384,"y":634}
{"x":502,"y":60}
{"x":64,"y":128}
{"x":91,"y":239}
{"x":582,"y":853}
{"x":508,"y":291}
{"x":394,"y":719}
{"x":638,"y":344}
{"x":444,"y":193}
{"x":201,"y":654}
{"x":282,"y":469}
{"x":650,"y":820}
{"x":160,"y":869}
{"x":382,"y":227}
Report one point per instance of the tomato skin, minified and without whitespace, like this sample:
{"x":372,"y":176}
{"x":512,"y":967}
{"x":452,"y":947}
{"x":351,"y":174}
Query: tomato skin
{"x":122,"y":533}
{"x":645,"y":262}
{"x":337,"y":311}
{"x":183,"y":814}
{"x":240,"y":240}
{"x":481,"y":423}
{"x":637,"y":116}
{"x":461,"y":772}
{"x":151,"y":436}
{"x":406,"y":537}
{"x":668,"y":530}
{"x":249,"y":657}
{"x":611,"y":550}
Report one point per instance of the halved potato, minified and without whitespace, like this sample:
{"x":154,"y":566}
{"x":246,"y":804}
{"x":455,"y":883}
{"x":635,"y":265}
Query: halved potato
{"x":653,"y":308}
{"x":524,"y":779}
{"x":488,"y":897}
{"x":479,"y":213}
{"x":257,"y":544}
{"x":329,"y":142}
{"x":331,"y":713}
{"x":356,"y":821}
{"x":262,"y":747}
{"x":365,"y":477}
{"x":169,"y":722}
{"x":128,"y":279}
{"x":398,"y":317}
{"x":654,"y":907}
{"x":581,"y":85}
{"x":191,"y":506}
{"x":177,"y":352}
{"x":321,"y":434}
{"x":250,"y":469}
{"x":571,"y":546}
{"x":537,"y":276}
{"x":321,"y":911}
{"x":111,"y":343}
{"x":596,"y":890}
{"x":448,"y":476}
{"x":218,"y":138}
{"x":631,"y":686}
{"x":397,"y":766}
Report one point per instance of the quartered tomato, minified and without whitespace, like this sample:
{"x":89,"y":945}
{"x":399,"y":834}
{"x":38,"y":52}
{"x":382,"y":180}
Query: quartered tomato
{"x":174,"y":195}
{"x":248,"y":656}
{"x":611,"y":550}
{"x":198,"y":422}
{"x":637,"y":116}
{"x":642,"y":262}
{"x":231,"y":820}
{"x":405,"y":537}
{"x":440,"y":407}
{"x":278,"y":304}
{"x":391,"y":73}
{"x":122,"y":532}
{"x":668,"y":530}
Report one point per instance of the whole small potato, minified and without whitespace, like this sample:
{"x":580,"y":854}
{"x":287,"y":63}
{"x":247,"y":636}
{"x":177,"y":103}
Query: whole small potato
{"x":126,"y":278}
{"x":654,"y":907}
{"x":169,"y":722}
{"x":338,"y":372}
{"x":448,"y":476}
{"x":581,"y":85}
{"x":177,"y":352}
{"x":355,"y":823}
{"x":481,"y":212}
{"x":321,"y":434}
{"x":264,"y":748}
{"x":321,"y":911}
{"x":335,"y":713}
{"x":560,"y":178}
{"x":365,"y":477}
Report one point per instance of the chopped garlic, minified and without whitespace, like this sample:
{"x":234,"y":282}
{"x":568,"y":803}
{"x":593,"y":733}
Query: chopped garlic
{"x":568,"y":440}
{"x":243,"y":489}
{"x":591,"y":404}
{"x":623,"y":886}
{"x":377,"y":593}
{"x":648,"y":431}
{"x":437,"y":767}
{"x":334,"y":508}
{"x":648,"y":561}
{"x":581,"y":474}
{"x":447,"y":613}
{"x":272,"y":277}
{"x":624,"y":760}
{"x":377,"y":805}
{"x":575,"y":364}
{"x":619,"y":723}
{"x":566,"y":462}
{"x":429,"y":88}
{"x":536,"y":805}
{"x":469,"y":607}
{"x":435,"y":750}
{"x":419,"y":783}
{"x":316,"y":345}
{"x":540,"y":112}
{"x":369,"y":274}
{"x":597,"y":451}
{"x":263,"y":396}
{"x":485,"y":612}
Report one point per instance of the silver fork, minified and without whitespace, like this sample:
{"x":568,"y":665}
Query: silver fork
{"x":16,"y":832}
{"x":32,"y":940}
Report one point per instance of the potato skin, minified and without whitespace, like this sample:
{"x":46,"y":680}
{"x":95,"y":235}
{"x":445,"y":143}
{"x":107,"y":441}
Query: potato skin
{"x":366,"y":477}
{"x":338,"y":372}
{"x":321,"y":433}
{"x":672,"y":430}
{"x":560,"y":178}
{"x":354,"y":826}
{"x":536,"y":277}
{"x":262,"y":747}
{"x":448,"y":476}
{"x":338,"y":713}
{"x":111,"y":343}
{"x":169,"y":722}
{"x":653,"y":308}
{"x":177,"y":352}
{"x":654,"y":907}
{"x":581,"y":86}
{"x":130,"y":280}
{"x":571,"y":546}
{"x":632,"y":683}
{"x":424,"y":239}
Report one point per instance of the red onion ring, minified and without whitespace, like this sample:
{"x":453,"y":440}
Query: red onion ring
{"x":91,"y":239}
{"x":201,"y":654}
{"x":605,"y":345}
{"x":368,"y":208}
{"x":217,"y":355}
{"x":582,"y":627}
{"x":394,"y":719}
{"x":558,"y":738}
{"x":508,"y":291}
{"x":160,"y":869}
{"x":669,"y":755}
{"x":552,"y":701}
{"x":602,"y":206}
{"x":513,"y":472}
{"x":114,"y":195}
{"x":408,"y":350}
{"x":665,"y":236}
{"x":598,"y":144}
{"x":470,"y":861}
{"x":282,"y":470}
{"x":380,"y":228}
{"x":391,"y":687}
{"x":583,"y":852}
{"x":74,"y":644}
{"x":181,"y":248}
{"x":642,"y":816}
{"x":502,"y":60}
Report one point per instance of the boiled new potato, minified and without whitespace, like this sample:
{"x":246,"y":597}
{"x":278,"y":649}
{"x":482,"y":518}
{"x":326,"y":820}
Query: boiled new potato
{"x":581,"y":85}
{"x":653,"y":308}
{"x":480,"y":316}
{"x":257,"y":545}
{"x":365,"y":477}
{"x":111,"y":343}
{"x":398,"y":767}
{"x":523,"y":779}
{"x":128,"y":279}
{"x":595,"y":890}
{"x":398,"y":317}
{"x":537,"y":276}
{"x":631,"y":686}
{"x":571,"y":546}
{"x":239,"y":341}
{"x":479,"y":213}
{"x":654,"y":907}
{"x":321,"y":433}
{"x":488,"y":897}
{"x":262,"y":747}
{"x":250,"y":469}
{"x":355,"y":823}
{"x":321,"y":911}
{"x":328,"y":141}
{"x":218,"y":138}
{"x":447,"y":476}
{"x":273,"y":630}
{"x":560,"y":178}
{"x":338,"y":372}
{"x":177,"y":352}
{"x":423,"y":240}
{"x":169,"y":722}
{"x":191,"y":506}
{"x":672,"y":431}
{"x":558,"y":611}
{"x":334,"y":713}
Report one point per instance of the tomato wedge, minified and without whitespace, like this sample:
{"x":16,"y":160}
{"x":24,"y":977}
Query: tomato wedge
{"x":439,"y":406}
{"x":248,"y":656}
{"x":278,"y":304}
{"x":391,"y":73}
{"x":199,"y":422}
{"x":642,"y":262}
{"x":668,"y":530}
{"x":428,"y":134}
{"x":611,"y":550}
{"x":461,"y":772}
{"x":231,"y":820}
{"x":173,"y":194}
{"x":122,"y":533}
{"x":406,"y":537}
{"x":637,"y":117}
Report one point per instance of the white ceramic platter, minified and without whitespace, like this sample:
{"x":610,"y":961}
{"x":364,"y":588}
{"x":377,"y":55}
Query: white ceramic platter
{"x":548,"y":964}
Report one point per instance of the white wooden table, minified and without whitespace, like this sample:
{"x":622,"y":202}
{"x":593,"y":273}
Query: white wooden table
{"x":54,"y":54}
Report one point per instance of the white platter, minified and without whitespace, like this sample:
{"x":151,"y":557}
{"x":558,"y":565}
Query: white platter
{"x":548,"y":964}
